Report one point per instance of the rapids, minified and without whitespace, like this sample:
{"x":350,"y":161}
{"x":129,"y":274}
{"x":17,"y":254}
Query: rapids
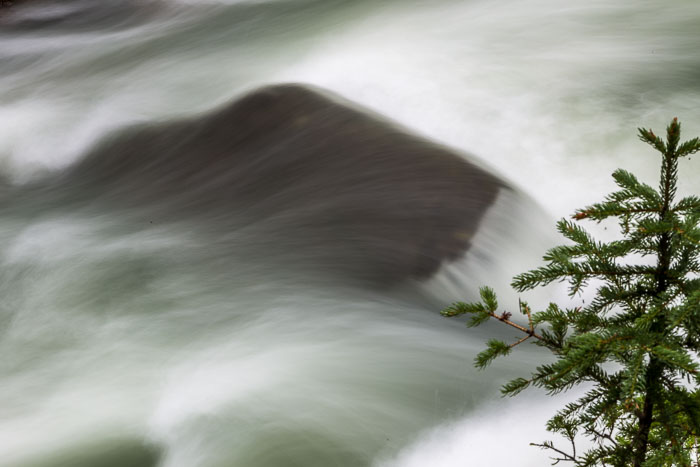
{"x":125,"y":343}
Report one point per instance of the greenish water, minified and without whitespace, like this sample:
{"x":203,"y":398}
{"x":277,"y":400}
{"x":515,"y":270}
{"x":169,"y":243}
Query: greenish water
{"x":131,"y":345}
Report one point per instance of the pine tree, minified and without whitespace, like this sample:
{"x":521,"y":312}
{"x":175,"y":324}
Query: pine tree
{"x":636,"y":345}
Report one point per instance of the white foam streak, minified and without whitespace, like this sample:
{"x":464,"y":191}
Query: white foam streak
{"x":492,"y":436}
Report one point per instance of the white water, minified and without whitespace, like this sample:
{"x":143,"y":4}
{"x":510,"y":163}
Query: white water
{"x":112,"y":334}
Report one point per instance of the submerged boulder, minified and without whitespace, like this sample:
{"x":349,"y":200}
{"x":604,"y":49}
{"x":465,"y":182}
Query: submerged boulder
{"x":297,"y":173}
{"x":73,"y":15}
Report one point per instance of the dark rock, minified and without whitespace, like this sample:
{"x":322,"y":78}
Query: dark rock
{"x":303,"y":174}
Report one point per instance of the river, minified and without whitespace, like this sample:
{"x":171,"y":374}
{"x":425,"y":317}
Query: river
{"x":132,"y":345}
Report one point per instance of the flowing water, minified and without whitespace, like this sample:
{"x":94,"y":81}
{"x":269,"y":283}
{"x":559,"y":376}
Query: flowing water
{"x":124,"y":344}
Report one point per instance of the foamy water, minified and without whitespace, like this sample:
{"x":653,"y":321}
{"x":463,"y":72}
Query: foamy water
{"x":121,"y":335}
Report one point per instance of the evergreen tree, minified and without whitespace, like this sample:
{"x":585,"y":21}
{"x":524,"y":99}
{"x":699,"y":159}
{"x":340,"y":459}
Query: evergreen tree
{"x":636,"y":344}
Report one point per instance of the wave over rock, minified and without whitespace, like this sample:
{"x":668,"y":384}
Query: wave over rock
{"x":294,"y":173}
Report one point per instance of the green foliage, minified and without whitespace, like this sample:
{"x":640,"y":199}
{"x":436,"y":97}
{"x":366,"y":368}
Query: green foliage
{"x":636,"y":345}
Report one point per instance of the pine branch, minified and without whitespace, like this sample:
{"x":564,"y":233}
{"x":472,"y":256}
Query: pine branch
{"x":650,"y":138}
{"x":689,"y":147}
{"x":643,"y":318}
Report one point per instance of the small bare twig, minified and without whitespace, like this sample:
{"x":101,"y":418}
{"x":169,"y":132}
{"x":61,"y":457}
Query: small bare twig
{"x":567,"y":457}
{"x":520,"y":341}
{"x":602,"y":435}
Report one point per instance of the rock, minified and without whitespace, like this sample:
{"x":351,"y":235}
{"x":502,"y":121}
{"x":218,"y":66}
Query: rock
{"x":300,"y":173}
